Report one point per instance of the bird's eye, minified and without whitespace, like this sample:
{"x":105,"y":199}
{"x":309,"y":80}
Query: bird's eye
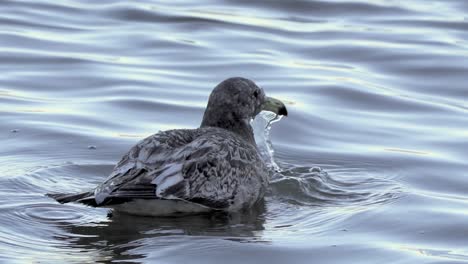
{"x":255,"y":93}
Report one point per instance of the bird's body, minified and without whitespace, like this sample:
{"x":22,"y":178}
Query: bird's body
{"x":214,"y":167}
{"x":205,"y":166}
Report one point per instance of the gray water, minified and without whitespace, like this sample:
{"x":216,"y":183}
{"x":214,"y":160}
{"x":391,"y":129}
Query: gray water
{"x":372,"y":157}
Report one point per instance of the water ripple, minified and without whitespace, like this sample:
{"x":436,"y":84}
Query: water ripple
{"x":376,"y":92}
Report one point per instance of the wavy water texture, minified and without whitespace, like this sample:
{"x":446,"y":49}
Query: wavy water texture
{"x":369,"y":166}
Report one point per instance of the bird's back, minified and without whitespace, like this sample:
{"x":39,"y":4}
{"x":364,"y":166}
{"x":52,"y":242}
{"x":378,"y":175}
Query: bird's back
{"x":210,"y":167}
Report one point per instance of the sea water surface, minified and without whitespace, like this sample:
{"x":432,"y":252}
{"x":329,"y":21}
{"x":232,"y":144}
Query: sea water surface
{"x":372,"y":157}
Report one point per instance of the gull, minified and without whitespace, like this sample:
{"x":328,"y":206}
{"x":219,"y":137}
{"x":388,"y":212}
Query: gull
{"x":216,"y":167}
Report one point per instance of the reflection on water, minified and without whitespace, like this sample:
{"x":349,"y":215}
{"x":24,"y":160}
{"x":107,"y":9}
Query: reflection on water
{"x":369,"y":166}
{"x":116,"y":237}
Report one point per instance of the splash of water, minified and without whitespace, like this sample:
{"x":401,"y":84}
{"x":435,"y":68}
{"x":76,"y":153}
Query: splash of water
{"x":262,"y":126}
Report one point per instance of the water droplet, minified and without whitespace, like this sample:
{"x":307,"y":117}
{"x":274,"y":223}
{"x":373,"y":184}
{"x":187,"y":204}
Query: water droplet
{"x":262,"y":125}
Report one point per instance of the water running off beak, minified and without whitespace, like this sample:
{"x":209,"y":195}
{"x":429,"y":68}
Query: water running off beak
{"x":261,"y":125}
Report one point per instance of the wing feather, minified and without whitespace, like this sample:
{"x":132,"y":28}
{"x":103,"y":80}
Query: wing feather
{"x":208,"y":166}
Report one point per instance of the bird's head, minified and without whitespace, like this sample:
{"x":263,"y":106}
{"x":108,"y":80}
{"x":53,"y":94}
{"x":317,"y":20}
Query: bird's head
{"x":240,"y":99}
{"x":236,"y":101}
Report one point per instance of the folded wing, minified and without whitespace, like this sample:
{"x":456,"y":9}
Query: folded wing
{"x":207,"y":166}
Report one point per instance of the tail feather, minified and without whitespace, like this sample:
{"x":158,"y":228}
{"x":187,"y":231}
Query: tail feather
{"x":84,"y":198}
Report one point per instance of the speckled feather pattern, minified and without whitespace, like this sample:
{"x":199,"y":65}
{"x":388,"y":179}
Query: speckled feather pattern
{"x":209,"y":166}
{"x":214,"y":167}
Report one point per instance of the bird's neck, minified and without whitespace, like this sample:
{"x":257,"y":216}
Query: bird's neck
{"x":239,"y":126}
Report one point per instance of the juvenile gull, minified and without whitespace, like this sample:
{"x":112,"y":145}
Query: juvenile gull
{"x":214,"y":167}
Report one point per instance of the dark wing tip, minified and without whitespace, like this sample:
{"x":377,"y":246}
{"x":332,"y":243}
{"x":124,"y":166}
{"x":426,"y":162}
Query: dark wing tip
{"x":84,"y":198}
